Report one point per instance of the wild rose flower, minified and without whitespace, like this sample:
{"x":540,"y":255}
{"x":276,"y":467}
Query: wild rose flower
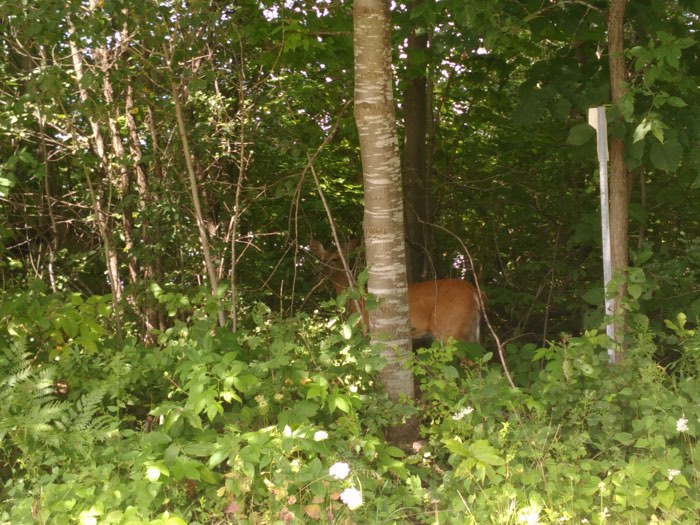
{"x":320,"y":435}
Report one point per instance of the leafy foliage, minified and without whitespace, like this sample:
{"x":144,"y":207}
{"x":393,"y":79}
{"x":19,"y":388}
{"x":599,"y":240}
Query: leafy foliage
{"x":284,"y":419}
{"x":31,"y":415}
{"x":143,"y":411}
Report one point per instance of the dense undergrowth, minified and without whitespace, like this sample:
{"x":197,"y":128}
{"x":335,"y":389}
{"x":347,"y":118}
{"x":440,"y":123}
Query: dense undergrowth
{"x":282,"y":423}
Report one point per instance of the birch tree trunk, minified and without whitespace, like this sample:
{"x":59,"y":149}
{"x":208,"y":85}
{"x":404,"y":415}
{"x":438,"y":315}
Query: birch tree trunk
{"x":383,"y":219}
{"x":620,"y":182}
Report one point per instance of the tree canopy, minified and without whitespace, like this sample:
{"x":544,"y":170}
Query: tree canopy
{"x":89,"y":116}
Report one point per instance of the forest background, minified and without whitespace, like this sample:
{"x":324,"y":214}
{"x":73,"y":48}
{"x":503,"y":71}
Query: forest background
{"x":167,"y":352}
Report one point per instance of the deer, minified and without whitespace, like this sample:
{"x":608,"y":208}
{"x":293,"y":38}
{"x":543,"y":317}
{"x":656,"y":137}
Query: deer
{"x":438,"y":309}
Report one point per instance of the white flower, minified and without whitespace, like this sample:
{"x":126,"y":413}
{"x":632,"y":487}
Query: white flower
{"x":262,"y":402}
{"x":464,"y":412}
{"x":87,"y":517}
{"x":320,"y":435}
{"x":339,"y":470}
{"x":530,"y":515}
{"x":352,"y":498}
{"x":672,"y":473}
{"x":682,"y":424}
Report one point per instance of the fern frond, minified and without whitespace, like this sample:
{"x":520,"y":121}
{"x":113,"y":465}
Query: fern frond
{"x":83,"y":414}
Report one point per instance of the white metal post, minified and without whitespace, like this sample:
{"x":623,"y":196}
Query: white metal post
{"x":596,"y":118}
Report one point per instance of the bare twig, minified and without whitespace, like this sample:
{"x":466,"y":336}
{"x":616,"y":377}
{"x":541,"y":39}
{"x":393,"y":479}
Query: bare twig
{"x":334,"y":232}
{"x":294,"y":212}
{"x":499,"y":345}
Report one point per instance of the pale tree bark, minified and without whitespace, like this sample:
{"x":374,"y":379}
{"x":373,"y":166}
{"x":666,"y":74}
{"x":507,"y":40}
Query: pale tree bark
{"x":620,"y":181}
{"x":104,"y":59}
{"x":156,"y":171}
{"x":53,"y":244}
{"x":151,"y":317}
{"x":194,"y":192}
{"x":101,"y":216}
{"x":243,"y":158}
{"x":416,"y":185}
{"x":383,"y":218}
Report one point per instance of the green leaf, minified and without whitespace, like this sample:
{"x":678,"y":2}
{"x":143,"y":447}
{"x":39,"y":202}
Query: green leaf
{"x":594,"y":296}
{"x":637,"y":275}
{"x":245,"y":381}
{"x":457,"y":447}
{"x":635,"y":290}
{"x":394,"y":452}
{"x":168,"y":520}
{"x":672,"y":55}
{"x":580,"y":134}
{"x":681,"y":480}
{"x":643,"y":255}
{"x":207,"y":476}
{"x":305,"y":409}
{"x":657,"y":129}
{"x":624,"y":437}
{"x":636,"y":150}
{"x":641,"y":130}
{"x":218,"y":456}
{"x":666,"y":497}
{"x":483,"y":452}
{"x":394,"y":465}
{"x":666,"y":156}
{"x":626,"y":105}
{"x":676,"y":102}
{"x":642,"y":55}
{"x":69,"y":326}
{"x":88,"y":343}
{"x":340,"y":402}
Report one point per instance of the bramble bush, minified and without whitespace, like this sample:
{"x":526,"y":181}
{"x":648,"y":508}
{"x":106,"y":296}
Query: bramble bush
{"x":282,"y":423}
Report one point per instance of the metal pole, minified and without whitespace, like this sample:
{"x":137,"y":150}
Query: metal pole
{"x":596,"y":118}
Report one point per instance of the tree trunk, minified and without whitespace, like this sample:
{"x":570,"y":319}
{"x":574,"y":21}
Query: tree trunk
{"x":415,"y":182}
{"x":101,"y":217}
{"x":620,"y":182}
{"x":46,"y":162}
{"x":194,"y":191}
{"x":105,"y":59}
{"x":383,"y":219}
{"x":150,"y":312}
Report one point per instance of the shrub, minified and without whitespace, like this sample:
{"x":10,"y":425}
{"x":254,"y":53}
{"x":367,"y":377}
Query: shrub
{"x":283,"y":422}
